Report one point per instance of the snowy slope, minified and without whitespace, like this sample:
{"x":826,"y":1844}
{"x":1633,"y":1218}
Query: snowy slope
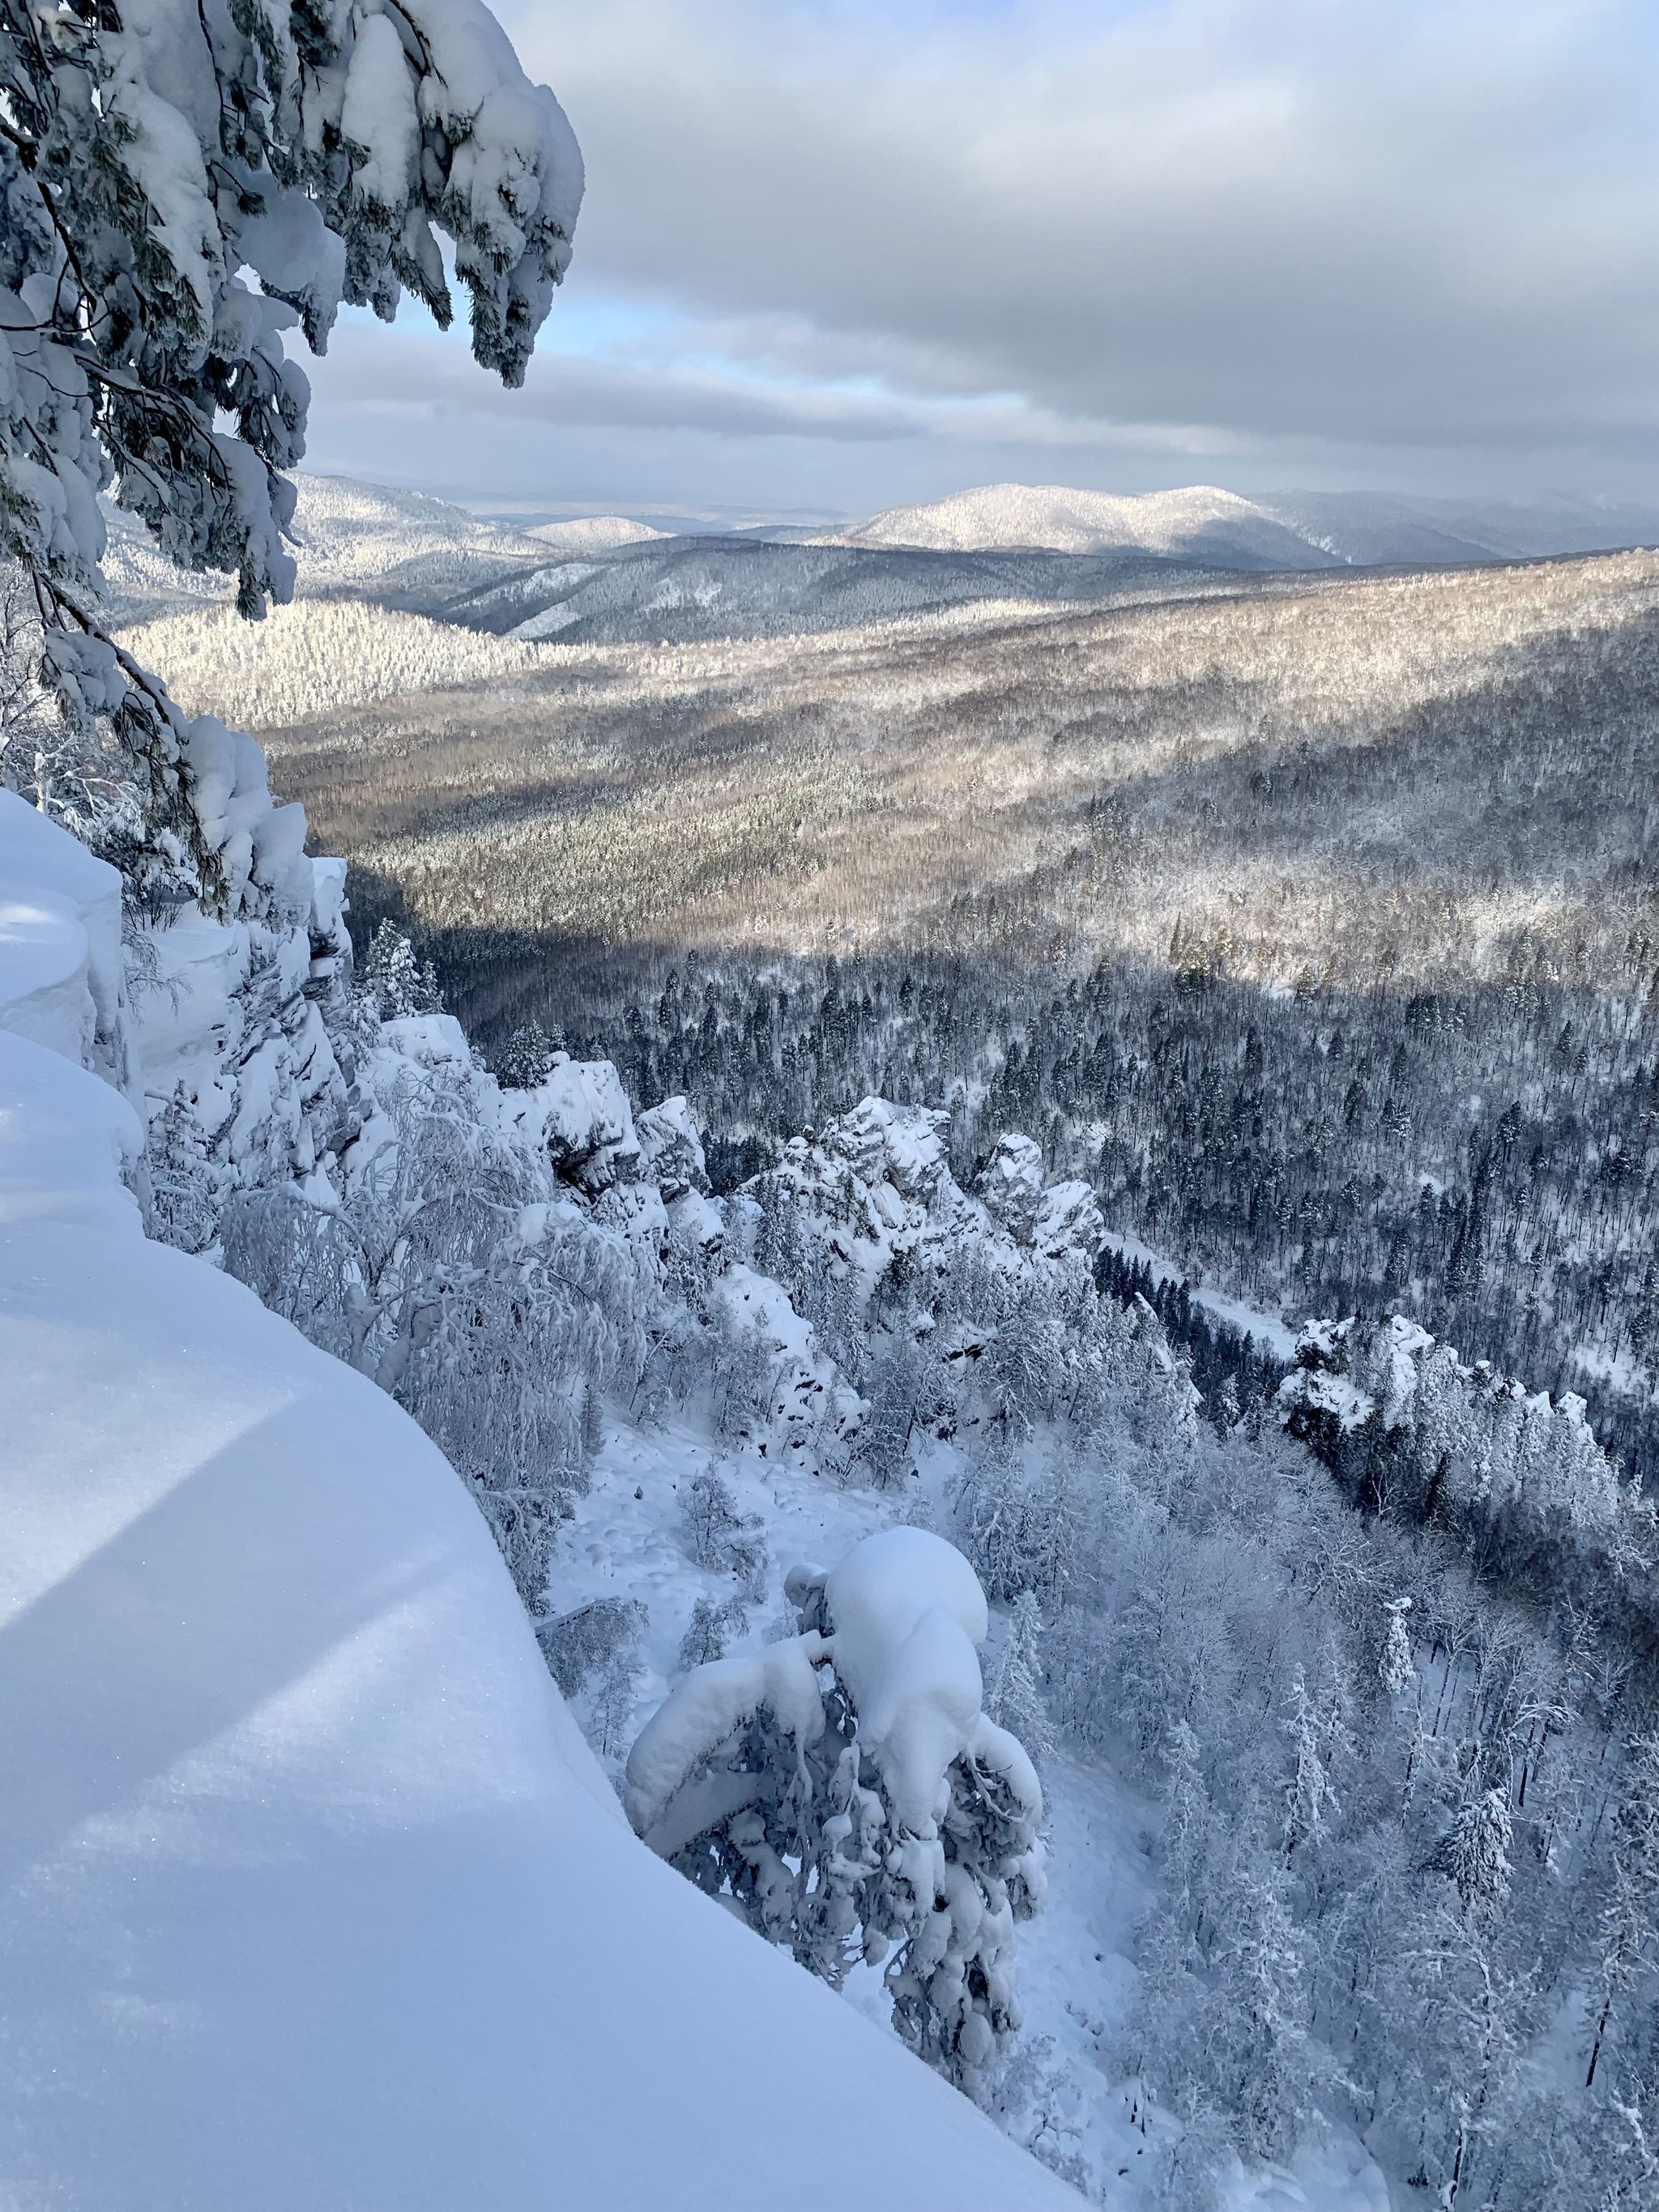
{"x":398,"y":548}
{"x":595,"y":534}
{"x":1274,"y":530}
{"x":676,"y":589}
{"x":1199,"y":523}
{"x":313,"y":1895}
{"x":608,"y":579}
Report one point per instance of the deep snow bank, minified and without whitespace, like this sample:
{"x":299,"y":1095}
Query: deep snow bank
{"x":311,"y":1893}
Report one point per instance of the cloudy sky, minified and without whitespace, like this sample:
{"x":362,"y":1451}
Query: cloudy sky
{"x":842,"y":255}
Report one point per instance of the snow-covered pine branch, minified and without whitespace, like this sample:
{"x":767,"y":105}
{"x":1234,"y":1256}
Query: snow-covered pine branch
{"x":152,"y":158}
{"x":847,"y":1790}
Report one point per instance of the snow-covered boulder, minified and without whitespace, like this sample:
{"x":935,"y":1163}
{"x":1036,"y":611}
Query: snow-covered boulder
{"x":671,"y":1149}
{"x":580,"y":1117}
{"x":428,"y":1039}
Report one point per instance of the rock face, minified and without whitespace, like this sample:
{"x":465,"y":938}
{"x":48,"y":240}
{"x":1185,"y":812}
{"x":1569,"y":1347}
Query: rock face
{"x":878,"y":1181}
{"x":672,"y":1149}
{"x":580,"y":1117}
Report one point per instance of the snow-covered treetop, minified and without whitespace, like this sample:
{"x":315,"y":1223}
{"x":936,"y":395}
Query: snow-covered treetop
{"x":909,"y":1617}
{"x":846,"y":1792}
{"x":900,"y":1618}
{"x":182,"y":183}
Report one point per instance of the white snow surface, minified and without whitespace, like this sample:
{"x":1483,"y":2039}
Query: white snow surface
{"x":703,"y":1712}
{"x":1047,"y":515}
{"x":312,"y":1893}
{"x":595,"y":534}
{"x":908,"y":1617}
{"x":60,"y":938}
{"x":1267,"y":1328}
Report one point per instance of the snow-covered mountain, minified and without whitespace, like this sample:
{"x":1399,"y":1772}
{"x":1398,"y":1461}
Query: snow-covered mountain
{"x":595,"y":534}
{"x":1201,"y":523}
{"x":608,"y":580}
{"x":685,"y":588}
{"x":399,"y":549}
{"x":1277,"y":530}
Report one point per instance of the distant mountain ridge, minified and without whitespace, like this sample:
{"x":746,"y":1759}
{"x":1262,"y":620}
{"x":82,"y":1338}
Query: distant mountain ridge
{"x":1273,"y":530}
{"x":1052,"y":518}
{"x":609,"y":580}
{"x":352,"y":540}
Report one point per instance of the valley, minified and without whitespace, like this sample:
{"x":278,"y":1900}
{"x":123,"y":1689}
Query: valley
{"x":1298,"y":924}
{"x":1355,"y":874}
{"x":829,"y":1294}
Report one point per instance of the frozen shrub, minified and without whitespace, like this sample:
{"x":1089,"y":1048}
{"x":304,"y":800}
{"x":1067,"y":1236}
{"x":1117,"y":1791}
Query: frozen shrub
{"x":579,"y":1645}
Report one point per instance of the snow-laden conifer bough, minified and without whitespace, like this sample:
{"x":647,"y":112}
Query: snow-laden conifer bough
{"x":182,"y":184}
{"x":859,"y":1751}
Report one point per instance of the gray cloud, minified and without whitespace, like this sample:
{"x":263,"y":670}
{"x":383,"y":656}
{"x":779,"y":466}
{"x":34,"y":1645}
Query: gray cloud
{"x":1299,"y":235}
{"x":434,"y":378}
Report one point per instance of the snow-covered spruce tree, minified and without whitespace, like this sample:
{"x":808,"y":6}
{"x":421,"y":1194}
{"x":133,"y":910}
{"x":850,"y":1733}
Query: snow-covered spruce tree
{"x":1013,"y":1691}
{"x":720,"y":1538}
{"x":154,"y":155}
{"x":184,"y":1185}
{"x":393,"y":982}
{"x":845,"y":1790}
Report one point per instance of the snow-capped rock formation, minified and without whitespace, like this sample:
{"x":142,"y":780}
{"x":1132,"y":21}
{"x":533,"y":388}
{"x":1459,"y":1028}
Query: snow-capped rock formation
{"x":312,"y":1892}
{"x":1392,"y":1410}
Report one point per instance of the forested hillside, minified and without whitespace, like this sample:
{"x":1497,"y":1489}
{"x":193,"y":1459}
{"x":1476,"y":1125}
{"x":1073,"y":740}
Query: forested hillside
{"x":1482,"y":1159}
{"x":920,"y":1079}
{"x":1314,"y":926}
{"x":1300,"y":1813}
{"x":1424,"y":782}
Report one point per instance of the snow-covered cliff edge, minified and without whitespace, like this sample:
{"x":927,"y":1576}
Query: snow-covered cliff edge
{"x":312,"y":1892}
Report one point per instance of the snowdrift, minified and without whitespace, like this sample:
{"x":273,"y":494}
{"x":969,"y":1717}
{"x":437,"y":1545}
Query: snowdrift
{"x":312,"y":1893}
